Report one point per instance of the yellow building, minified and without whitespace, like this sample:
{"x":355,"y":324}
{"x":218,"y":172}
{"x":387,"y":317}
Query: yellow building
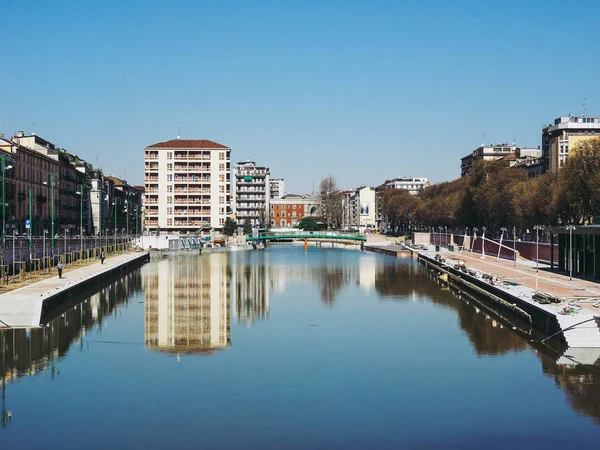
{"x":562,"y":138}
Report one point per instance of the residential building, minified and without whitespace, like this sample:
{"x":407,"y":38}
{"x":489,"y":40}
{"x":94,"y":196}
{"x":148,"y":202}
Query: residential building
{"x":358,"y":208}
{"x":492,"y":152}
{"x":252,"y":192}
{"x":410,"y":184}
{"x":277,"y":187}
{"x":187,"y":186}
{"x":559,"y":139}
{"x":290,"y":209}
{"x":127,"y":208}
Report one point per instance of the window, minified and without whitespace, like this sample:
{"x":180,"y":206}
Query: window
{"x":170,"y":199}
{"x":221,"y":156}
{"x":169,"y":155}
{"x":294,"y":206}
{"x":169,"y":177}
{"x":170,"y":210}
{"x":221,"y":167}
{"x":169,"y":166}
{"x":221,"y":200}
{"x":170,"y":188}
{"x":170,"y":222}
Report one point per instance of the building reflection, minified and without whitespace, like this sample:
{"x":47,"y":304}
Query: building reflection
{"x":37,"y":351}
{"x":187,"y":304}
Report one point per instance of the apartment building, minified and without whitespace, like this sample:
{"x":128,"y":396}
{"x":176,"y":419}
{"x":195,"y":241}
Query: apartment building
{"x":252,"y":193}
{"x":410,"y":184}
{"x":358,"y":208}
{"x":277,"y":188}
{"x":187,"y":186}
{"x":289,"y":210}
{"x":561,"y":138}
{"x":492,"y":152}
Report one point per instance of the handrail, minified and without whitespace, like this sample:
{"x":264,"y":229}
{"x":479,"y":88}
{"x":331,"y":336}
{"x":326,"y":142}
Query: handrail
{"x":306,"y":236}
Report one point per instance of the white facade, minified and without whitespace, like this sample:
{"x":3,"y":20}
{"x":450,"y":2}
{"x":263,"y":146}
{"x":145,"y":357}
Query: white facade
{"x":187,"y":186}
{"x":277,"y":187}
{"x":358,"y":208}
{"x":412,"y":185}
{"x":252,"y":193}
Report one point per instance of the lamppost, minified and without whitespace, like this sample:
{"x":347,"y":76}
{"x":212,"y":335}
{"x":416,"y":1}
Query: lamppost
{"x":571,"y":228}
{"x":115,"y":214}
{"x":537,"y":253}
{"x":4,"y":169}
{"x":475,"y":230}
{"x":80,"y":192}
{"x":52,"y":210}
{"x":503,"y":229}
{"x":483,"y":242}
{"x":30,"y":226}
{"x":514,"y":246}
{"x":127,"y":218}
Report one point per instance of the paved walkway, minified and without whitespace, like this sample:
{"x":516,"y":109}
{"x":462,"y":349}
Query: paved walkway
{"x":22,"y":308}
{"x":524,"y":273}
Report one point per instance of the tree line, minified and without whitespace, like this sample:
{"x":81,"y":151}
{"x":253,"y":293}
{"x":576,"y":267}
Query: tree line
{"x":495,"y":195}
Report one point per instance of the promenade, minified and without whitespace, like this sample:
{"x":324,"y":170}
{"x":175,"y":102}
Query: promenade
{"x":22,"y":308}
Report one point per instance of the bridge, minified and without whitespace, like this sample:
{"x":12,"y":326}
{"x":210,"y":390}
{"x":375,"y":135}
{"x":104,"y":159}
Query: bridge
{"x":315,"y":237}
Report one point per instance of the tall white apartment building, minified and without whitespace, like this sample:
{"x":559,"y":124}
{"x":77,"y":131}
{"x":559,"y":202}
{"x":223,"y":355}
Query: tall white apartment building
{"x":277,"y":188}
{"x":252,"y":193}
{"x":188,"y":186}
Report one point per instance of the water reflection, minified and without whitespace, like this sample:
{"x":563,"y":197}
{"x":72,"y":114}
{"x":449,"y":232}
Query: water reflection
{"x":29,"y":352}
{"x":187,"y":304}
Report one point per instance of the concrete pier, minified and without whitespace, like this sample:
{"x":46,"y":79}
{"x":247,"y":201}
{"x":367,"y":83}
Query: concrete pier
{"x":576,"y":317}
{"x":22,"y":308}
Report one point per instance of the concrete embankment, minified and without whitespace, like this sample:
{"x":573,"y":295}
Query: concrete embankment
{"x":579,"y":327}
{"x":22,"y":308}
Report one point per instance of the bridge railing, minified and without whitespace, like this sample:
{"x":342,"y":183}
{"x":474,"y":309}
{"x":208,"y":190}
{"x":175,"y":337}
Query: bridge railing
{"x":307,"y":235}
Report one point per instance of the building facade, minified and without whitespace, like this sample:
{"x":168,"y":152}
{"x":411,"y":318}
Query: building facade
{"x":492,"y":153}
{"x":187,"y":186}
{"x":410,"y":184}
{"x":358,"y":208}
{"x":560,"y":138}
{"x":277,"y":187}
{"x":252,"y":193}
{"x":289,"y":210}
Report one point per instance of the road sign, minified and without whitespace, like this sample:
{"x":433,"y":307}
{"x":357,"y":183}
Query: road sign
{"x":27,"y":224}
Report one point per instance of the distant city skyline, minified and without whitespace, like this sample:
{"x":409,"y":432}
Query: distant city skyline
{"x":365,"y":92}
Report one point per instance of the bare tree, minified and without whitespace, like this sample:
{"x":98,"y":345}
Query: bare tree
{"x":330,"y":202}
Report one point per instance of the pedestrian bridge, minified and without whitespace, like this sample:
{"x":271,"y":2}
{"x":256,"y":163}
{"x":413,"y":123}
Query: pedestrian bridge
{"x":314,"y":236}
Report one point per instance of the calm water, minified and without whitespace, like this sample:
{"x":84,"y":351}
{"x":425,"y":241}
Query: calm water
{"x":284,"y":348}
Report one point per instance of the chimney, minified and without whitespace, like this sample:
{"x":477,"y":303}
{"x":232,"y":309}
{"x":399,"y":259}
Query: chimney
{"x":20,"y":134}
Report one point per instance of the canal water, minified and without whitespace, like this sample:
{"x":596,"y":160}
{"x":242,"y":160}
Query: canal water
{"x":287,"y":348}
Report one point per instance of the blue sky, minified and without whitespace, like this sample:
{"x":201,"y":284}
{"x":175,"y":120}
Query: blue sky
{"x":365,"y":91}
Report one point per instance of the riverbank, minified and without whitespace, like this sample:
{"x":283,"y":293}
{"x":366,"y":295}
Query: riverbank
{"x":22,"y":308}
{"x":573,"y":315}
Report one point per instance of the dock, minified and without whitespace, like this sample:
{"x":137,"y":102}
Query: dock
{"x":22,"y":308}
{"x":574,"y":316}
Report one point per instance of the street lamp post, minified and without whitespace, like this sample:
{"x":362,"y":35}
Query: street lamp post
{"x":30,"y":227}
{"x":52,"y":211}
{"x":475,"y":230}
{"x":80,"y":192}
{"x":570,"y":228}
{"x":514,"y":246}
{"x":537,"y":253}
{"x":115,"y":214}
{"x":127,"y":220}
{"x":503,"y":229}
{"x":4,"y":169}
{"x":483,"y":242}
{"x":44,"y":253}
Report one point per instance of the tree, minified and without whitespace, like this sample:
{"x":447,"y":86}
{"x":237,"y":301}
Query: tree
{"x":229,"y":227}
{"x":308,"y":224}
{"x":330,"y":200}
{"x":247,"y":226}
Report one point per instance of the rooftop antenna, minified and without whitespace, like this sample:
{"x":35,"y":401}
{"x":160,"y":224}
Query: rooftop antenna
{"x":179,"y":133}
{"x":484,"y":138}
{"x":584,"y":110}
{"x":34,"y":128}
{"x":514,"y":139}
